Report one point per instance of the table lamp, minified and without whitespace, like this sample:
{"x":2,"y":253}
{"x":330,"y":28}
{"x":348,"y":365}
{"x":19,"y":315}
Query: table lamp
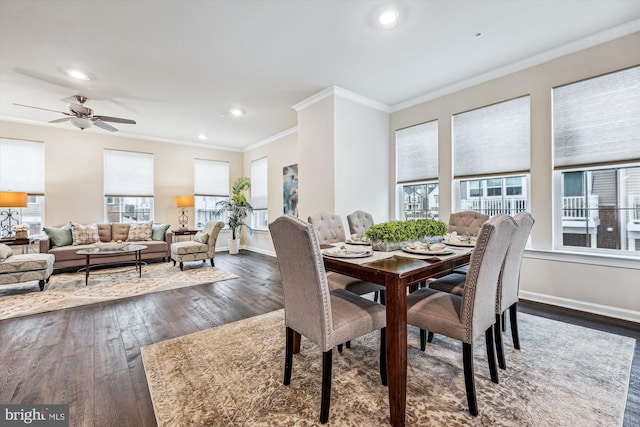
{"x":182,"y":203}
{"x":10,"y":200}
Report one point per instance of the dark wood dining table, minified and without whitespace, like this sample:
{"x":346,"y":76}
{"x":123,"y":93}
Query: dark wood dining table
{"x":397,"y":273}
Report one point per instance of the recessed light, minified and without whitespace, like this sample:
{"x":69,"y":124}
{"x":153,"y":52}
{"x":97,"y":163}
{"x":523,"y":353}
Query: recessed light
{"x":77,"y":74}
{"x":237,"y":112}
{"x":388,"y":19}
{"x":202,"y":137}
{"x":478,"y":34}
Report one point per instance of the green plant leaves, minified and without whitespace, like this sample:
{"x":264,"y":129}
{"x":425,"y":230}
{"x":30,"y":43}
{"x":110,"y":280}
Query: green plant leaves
{"x":400,"y":231}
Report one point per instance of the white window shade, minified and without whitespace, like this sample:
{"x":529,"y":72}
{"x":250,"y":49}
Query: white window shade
{"x":211,"y":178}
{"x":417,"y":152}
{"x":259,"y":183}
{"x":493,"y":139}
{"x":127,"y":173}
{"x":22,"y":166}
{"x":597,"y":121}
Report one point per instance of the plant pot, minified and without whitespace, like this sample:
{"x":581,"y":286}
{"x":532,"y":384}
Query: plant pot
{"x":234,"y":246}
{"x":21,"y":235}
{"x":383,"y":246}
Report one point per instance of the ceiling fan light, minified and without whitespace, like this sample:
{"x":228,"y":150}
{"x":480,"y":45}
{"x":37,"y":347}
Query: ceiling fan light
{"x":79,"y":75}
{"x":81,"y":122}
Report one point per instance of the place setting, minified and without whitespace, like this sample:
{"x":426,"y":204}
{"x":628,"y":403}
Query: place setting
{"x":460,"y":240}
{"x":343,"y":251}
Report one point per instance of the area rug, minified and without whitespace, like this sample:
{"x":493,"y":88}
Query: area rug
{"x":67,"y":290}
{"x":231,"y":375}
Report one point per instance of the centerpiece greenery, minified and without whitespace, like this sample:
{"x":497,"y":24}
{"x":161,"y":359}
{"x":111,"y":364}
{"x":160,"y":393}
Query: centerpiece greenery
{"x":404,"y":231}
{"x":237,"y":207}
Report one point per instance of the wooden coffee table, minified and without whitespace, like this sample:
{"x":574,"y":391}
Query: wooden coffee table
{"x":97,"y":252}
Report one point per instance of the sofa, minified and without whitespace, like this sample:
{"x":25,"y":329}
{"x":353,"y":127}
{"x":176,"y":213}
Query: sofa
{"x":25,"y":267}
{"x":63,"y":244}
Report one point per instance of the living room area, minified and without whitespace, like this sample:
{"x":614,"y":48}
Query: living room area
{"x":148,"y":356}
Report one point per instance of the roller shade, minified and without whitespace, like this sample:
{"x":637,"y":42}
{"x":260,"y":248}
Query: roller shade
{"x":127,"y":173}
{"x":211,"y":178}
{"x":417,"y":153}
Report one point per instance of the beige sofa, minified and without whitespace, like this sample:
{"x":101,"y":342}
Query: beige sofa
{"x":66,"y":256}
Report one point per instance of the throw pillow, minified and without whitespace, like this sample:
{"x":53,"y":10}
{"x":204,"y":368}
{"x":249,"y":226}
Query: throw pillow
{"x":139,"y":232}
{"x":59,"y":236}
{"x":5,"y":252}
{"x":158,"y":231}
{"x":84,"y":234}
{"x":201,"y":237}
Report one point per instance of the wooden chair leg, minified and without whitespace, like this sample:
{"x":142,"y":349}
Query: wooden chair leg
{"x":497,"y":335}
{"x":212,"y":264}
{"x":430,"y":337}
{"x":181,"y":266}
{"x":41,"y":284}
{"x":513,"y":319}
{"x":423,"y":339}
{"x":348,"y":344}
{"x":469,"y":380}
{"x":491,"y":354}
{"x":375,"y":296}
{"x":325,"y":400}
{"x":504,"y":322}
{"x":288,"y":356}
{"x":174,"y":262}
{"x":383,"y":297}
{"x":383,"y":356}
{"x":339,"y":348}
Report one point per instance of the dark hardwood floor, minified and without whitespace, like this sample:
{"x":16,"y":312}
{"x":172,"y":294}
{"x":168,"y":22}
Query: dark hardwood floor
{"x":89,"y":357}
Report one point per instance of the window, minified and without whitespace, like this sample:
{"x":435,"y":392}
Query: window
{"x":596,"y":135}
{"x":211,"y":185}
{"x":491,"y":147}
{"x":259,"y":180}
{"x":14,"y":177}
{"x":128,"y":186}
{"x":417,"y":171}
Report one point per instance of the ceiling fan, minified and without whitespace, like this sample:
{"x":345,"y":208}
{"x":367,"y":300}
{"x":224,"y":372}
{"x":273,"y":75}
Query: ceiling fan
{"x":82,"y":117}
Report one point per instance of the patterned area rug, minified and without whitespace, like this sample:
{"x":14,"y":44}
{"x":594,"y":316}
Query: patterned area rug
{"x":231,"y":375}
{"x":67,"y":290}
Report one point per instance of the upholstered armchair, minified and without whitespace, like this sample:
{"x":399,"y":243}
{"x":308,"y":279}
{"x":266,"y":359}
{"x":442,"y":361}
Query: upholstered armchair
{"x":201,"y":248}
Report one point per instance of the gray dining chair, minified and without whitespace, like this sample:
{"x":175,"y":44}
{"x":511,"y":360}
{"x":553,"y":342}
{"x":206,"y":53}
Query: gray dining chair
{"x":330,"y":229}
{"x":465,"y":317}
{"x":325,"y":317}
{"x":508,"y":286}
{"x":466,"y":223}
{"x":359,"y":222}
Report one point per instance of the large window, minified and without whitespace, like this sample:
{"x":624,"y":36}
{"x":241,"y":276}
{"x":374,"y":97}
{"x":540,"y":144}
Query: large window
{"x":596,"y":136}
{"x":128,"y":186}
{"x":491,"y":164}
{"x":211,"y":185}
{"x":259,"y":180}
{"x":417,"y":171}
{"x":14,"y":176}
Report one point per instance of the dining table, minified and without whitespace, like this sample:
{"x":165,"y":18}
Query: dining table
{"x":398,"y":271}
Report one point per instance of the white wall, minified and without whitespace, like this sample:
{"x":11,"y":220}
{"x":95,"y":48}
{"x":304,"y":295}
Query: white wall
{"x":361,"y":166}
{"x":576,"y":281}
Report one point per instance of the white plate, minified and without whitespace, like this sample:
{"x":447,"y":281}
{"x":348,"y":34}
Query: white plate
{"x":425,"y":252}
{"x":337,"y":253}
{"x":459,"y":243}
{"x":358,"y":242}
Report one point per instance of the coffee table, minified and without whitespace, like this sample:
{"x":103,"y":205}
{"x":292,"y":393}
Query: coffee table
{"x":97,"y":252}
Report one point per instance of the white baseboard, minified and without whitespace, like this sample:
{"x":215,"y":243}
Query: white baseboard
{"x":603,"y":310}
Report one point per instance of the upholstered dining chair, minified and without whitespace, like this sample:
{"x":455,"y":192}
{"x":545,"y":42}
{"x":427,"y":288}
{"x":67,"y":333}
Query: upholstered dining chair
{"x":359,"y":222}
{"x":466,"y":317}
{"x":330,"y":229}
{"x":508,"y":286}
{"x":325,"y":317}
{"x":466,"y":223}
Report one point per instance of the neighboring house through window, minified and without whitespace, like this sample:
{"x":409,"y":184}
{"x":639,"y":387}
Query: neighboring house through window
{"x":417,"y":171}
{"x":128,"y":186}
{"x":491,"y":147}
{"x":14,"y":154}
{"x":596,"y":137}
{"x":259,"y":194}
{"x":211,"y":185}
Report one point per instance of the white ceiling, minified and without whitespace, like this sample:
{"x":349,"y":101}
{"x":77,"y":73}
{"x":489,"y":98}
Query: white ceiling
{"x":177,"y":66}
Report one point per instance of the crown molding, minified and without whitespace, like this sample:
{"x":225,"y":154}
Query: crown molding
{"x":271,"y":139}
{"x":342,"y":93}
{"x":566,"y":49}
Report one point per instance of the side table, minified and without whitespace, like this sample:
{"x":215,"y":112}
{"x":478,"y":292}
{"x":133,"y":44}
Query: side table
{"x":25,"y":242}
{"x":183,"y":232}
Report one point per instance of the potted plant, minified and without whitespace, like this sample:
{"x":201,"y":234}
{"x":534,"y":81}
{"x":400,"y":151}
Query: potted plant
{"x":392,"y":235}
{"x":237,"y":208}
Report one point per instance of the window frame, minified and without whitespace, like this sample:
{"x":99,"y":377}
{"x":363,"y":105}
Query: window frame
{"x":259,"y":202}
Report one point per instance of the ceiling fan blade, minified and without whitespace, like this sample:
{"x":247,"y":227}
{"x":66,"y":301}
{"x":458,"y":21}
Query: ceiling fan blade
{"x":115,"y":120}
{"x":39,"y":108}
{"x":104,"y":125}
{"x":64,"y":119}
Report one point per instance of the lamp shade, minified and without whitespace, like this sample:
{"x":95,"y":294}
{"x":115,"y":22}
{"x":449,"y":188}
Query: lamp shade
{"x":184,"y":201}
{"x":13,"y":199}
